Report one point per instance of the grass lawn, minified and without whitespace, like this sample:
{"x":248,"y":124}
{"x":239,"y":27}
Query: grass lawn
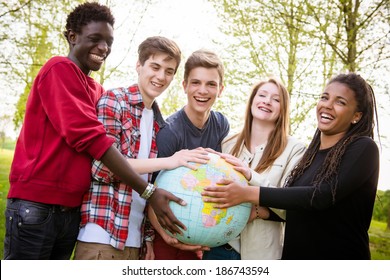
{"x":5,"y":163}
{"x":379,"y":237}
{"x":379,"y":241}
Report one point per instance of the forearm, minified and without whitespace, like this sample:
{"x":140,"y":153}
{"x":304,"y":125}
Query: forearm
{"x":117,"y":164}
{"x":150,"y":165}
{"x":251,"y":194}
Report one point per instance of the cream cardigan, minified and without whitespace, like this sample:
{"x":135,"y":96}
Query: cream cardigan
{"x":263,"y":239}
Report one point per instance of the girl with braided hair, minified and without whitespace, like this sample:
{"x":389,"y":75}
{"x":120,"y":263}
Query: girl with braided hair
{"x":330,"y":194}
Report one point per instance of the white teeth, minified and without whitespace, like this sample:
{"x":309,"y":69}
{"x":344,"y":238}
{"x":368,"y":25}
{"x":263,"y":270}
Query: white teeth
{"x":157,"y":85}
{"x":97,"y":57}
{"x":326,"y":116}
{"x":200,"y":99}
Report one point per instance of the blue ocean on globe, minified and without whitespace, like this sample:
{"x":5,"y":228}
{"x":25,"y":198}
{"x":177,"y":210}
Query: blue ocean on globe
{"x":206,"y":225}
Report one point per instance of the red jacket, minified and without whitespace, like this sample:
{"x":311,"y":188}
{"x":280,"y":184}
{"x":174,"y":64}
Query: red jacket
{"x":60,"y":136}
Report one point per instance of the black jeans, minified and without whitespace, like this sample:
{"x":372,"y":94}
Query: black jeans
{"x":37,"y":231}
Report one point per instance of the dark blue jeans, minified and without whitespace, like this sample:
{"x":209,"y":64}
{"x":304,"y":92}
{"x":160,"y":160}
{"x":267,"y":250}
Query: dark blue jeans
{"x":37,"y":231}
{"x":224,"y":252}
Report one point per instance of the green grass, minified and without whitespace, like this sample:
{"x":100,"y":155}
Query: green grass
{"x":379,"y":241}
{"x":379,"y":236}
{"x":5,"y":163}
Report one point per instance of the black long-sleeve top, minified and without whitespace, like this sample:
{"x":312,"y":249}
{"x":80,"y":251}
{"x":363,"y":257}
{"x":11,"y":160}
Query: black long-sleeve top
{"x":318,"y":227}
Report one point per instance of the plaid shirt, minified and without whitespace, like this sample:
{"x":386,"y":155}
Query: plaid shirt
{"x":108,"y":201}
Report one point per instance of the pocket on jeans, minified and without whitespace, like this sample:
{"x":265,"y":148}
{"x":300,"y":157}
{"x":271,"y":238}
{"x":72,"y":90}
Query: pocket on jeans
{"x":9,"y":224}
{"x":33,"y":214}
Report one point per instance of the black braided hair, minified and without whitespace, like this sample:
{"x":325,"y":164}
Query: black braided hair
{"x":328,"y":172}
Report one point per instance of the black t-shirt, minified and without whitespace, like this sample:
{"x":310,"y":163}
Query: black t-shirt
{"x":317,"y":227}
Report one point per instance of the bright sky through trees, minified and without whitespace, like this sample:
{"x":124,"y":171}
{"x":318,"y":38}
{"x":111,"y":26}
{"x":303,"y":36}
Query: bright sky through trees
{"x":193,"y":24}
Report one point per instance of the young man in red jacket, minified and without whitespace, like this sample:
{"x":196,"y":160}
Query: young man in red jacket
{"x":60,"y":136}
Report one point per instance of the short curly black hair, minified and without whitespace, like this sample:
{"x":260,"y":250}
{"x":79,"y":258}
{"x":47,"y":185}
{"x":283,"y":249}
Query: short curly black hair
{"x":85,"y":13}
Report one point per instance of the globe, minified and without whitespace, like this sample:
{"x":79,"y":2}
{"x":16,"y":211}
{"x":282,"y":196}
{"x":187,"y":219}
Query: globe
{"x":206,"y":225}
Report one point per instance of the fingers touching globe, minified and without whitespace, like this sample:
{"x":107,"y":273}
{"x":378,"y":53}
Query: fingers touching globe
{"x":159,"y":201}
{"x":206,"y":225}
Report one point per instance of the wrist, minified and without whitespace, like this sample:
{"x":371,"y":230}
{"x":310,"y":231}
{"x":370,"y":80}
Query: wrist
{"x":249,"y":176}
{"x":257,"y":211}
{"x":253,"y":194}
{"x":149,"y":190}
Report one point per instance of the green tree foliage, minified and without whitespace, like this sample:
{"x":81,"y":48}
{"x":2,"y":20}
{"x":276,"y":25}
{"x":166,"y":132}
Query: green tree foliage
{"x":174,"y":98}
{"x":39,"y":47}
{"x":271,"y":38}
{"x":4,"y":119}
{"x":125,"y":27}
{"x":359,"y":35}
{"x":302,"y":42}
{"x":382,"y":207}
{"x":40,"y":26}
{"x":39,"y":36}
{"x":357,"y":32}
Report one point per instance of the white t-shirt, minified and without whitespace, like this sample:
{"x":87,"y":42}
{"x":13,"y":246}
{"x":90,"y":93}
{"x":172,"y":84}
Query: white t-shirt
{"x":92,"y":232}
{"x":138,"y":203}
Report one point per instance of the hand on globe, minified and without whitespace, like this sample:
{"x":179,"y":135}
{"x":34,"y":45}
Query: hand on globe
{"x":159,"y":201}
{"x":238,"y":165}
{"x":182,"y":246}
{"x":206,"y":225}
{"x":185,"y":157}
{"x":230,"y":193}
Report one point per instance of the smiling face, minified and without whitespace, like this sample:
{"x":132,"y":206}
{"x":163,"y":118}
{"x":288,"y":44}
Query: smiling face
{"x":337,"y":110}
{"x":266,"y":103}
{"x":202,"y":87}
{"x":90,"y":48}
{"x":154,"y":76}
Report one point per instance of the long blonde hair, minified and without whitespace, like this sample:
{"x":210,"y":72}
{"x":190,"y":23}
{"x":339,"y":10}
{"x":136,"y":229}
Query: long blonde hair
{"x":277,"y":140}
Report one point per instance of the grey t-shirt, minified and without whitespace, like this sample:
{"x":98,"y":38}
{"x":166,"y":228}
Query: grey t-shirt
{"x":179,"y":133}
